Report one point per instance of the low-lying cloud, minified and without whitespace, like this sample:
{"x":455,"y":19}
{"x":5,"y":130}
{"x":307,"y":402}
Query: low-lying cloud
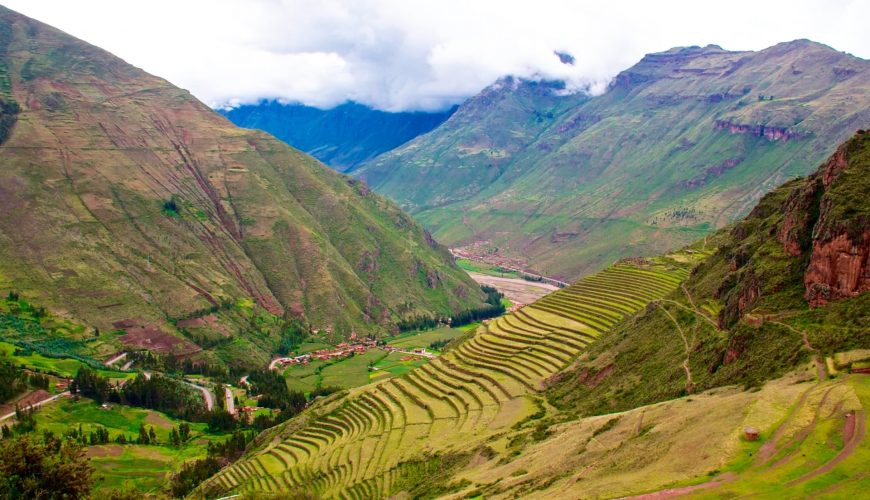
{"x":407,"y":54}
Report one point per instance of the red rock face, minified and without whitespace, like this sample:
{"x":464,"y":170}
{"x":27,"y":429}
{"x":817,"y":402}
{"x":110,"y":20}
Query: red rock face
{"x":838,"y":268}
{"x":836,"y":164}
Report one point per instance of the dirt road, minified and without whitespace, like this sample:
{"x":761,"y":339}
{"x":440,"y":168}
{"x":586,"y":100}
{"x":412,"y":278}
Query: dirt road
{"x":231,"y":404}
{"x":37,"y":404}
{"x":115,"y":359}
{"x":518,"y":291}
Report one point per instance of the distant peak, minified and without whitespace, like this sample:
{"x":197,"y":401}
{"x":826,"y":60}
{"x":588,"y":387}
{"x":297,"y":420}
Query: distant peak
{"x":564,"y":57}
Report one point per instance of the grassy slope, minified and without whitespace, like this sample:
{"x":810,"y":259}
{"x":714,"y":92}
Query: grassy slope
{"x":100,"y":145}
{"x":742,"y":311}
{"x":639,"y":170}
{"x":131,"y":467}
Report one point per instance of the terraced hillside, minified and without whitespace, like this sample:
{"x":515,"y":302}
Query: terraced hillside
{"x":370,"y":443}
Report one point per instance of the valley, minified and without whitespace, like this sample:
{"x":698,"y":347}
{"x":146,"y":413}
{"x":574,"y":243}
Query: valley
{"x":652,"y":286}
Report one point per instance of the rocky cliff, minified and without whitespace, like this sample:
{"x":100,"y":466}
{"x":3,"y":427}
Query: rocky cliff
{"x":839,"y":264}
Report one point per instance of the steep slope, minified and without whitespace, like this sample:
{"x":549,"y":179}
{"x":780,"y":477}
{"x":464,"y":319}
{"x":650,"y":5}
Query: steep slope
{"x":387,"y":437}
{"x":127,"y":203}
{"x":786,"y":285}
{"x":343,"y":136}
{"x":681,"y":143}
{"x":482,"y":141}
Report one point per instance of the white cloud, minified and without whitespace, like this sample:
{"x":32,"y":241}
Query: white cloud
{"x":422,"y":54}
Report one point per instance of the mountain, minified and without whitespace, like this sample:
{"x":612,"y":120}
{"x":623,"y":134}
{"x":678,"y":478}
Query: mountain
{"x":343,"y":136}
{"x":708,"y":368}
{"x":683,"y":142}
{"x":128,"y":204}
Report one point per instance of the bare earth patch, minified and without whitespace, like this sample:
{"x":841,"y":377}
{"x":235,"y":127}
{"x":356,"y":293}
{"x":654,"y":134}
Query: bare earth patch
{"x":158,"y":421}
{"x":518,"y":291}
{"x":109,"y":450}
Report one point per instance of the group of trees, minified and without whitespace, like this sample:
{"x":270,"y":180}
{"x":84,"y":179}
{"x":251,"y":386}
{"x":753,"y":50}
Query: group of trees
{"x":147,"y":360}
{"x":493,"y":308}
{"x":179,"y":435}
{"x":293,"y":335}
{"x":9,"y":110}
{"x":157,"y":393}
{"x":24,"y":423}
{"x":100,"y":435}
{"x":13,"y":381}
{"x":44,"y":468}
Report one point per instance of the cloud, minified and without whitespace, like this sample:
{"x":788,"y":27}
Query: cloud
{"x":416,"y":54}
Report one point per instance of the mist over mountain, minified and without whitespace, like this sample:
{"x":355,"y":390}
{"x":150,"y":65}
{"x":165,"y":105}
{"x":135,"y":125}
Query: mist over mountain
{"x":681,"y":143}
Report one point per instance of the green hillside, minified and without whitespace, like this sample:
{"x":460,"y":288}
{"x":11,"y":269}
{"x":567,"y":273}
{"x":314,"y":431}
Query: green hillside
{"x":640,"y":378}
{"x":128,"y":204}
{"x":682,"y":143}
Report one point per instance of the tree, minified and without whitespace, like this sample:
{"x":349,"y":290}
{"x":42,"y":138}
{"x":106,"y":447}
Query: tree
{"x":50,"y":469}
{"x":152,"y":437}
{"x":184,"y":431}
{"x":24,"y":420}
{"x":143,"y":435}
{"x":174,"y":439}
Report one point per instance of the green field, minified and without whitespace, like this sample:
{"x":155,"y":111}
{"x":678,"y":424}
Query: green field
{"x":476,"y":266}
{"x":351,"y":372}
{"x":392,"y":365}
{"x":304,"y":378}
{"x":418,"y":339}
{"x":144,"y":468}
{"x":62,"y":367}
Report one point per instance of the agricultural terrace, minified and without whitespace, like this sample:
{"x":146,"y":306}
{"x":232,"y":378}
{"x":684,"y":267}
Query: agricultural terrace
{"x":357,"y":447}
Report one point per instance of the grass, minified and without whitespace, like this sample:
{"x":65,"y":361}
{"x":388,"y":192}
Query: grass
{"x":422,"y":339}
{"x":62,"y":367}
{"x":351,"y":372}
{"x":392,"y":365}
{"x":479,"y":267}
{"x":130,"y":467}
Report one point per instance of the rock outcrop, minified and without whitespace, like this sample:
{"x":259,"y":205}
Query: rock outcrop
{"x":839,"y":262}
{"x":839,"y":267}
{"x":769,"y":132}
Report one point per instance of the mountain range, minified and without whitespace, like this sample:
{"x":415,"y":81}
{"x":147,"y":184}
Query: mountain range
{"x":681,"y":143}
{"x":342,"y":136}
{"x":127,"y":201}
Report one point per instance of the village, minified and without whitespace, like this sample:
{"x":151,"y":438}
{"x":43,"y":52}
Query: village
{"x":346,"y":349}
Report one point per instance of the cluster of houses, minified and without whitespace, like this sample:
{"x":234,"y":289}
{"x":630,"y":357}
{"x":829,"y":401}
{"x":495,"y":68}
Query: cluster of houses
{"x":342,"y":350}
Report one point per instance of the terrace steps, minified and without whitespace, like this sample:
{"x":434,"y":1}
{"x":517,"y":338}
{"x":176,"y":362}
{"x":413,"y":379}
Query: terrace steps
{"x":360,"y":450}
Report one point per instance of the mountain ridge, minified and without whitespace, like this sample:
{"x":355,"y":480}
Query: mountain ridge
{"x":681,"y":143}
{"x":125,"y":198}
{"x":342,"y":136}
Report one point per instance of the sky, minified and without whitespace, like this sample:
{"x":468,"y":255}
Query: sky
{"x":401,"y":55}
